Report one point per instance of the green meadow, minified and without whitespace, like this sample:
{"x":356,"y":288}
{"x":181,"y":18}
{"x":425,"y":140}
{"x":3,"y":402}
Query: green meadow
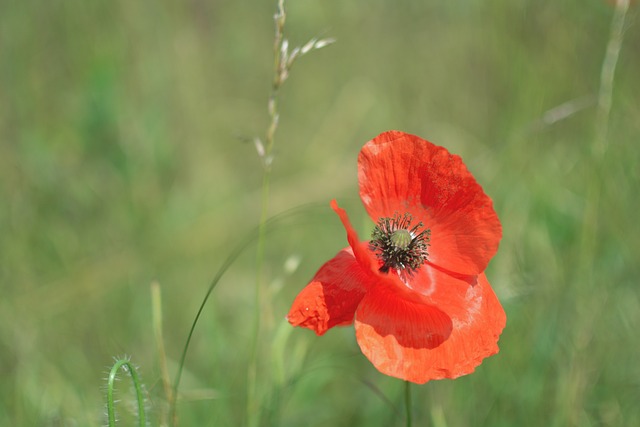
{"x":127,"y":159}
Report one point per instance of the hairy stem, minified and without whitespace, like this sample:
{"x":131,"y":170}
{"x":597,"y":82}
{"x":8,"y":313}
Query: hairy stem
{"x":111,"y":412}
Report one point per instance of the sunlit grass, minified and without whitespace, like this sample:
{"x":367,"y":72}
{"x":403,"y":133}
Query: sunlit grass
{"x":122,"y":163}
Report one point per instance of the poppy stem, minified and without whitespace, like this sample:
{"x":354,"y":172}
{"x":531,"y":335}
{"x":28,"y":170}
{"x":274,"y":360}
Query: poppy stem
{"x":407,"y":402}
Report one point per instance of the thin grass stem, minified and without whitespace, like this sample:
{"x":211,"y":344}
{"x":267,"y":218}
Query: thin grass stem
{"x":272,"y":108}
{"x":607,"y":75}
{"x":269,"y":225}
{"x":576,"y":390}
{"x":156,"y":310}
{"x":225,"y":266}
{"x":600,"y":143}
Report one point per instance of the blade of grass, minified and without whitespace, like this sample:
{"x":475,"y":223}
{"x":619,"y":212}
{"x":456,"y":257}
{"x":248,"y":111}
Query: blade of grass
{"x":600,"y":144}
{"x":156,"y":307}
{"x":271,"y":224}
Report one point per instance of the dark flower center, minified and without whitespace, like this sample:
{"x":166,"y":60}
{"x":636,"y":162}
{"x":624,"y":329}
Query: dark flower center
{"x":398,"y":244}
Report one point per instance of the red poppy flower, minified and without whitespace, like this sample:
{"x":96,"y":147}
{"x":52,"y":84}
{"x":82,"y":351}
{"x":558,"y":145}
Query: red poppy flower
{"x":423,"y":307}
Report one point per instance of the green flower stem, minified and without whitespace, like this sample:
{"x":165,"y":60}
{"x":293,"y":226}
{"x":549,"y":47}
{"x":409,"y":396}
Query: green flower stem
{"x":407,"y":402}
{"x":111,"y":412}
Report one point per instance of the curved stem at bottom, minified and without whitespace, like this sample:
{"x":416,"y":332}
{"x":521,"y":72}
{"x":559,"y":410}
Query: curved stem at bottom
{"x":111,"y":412}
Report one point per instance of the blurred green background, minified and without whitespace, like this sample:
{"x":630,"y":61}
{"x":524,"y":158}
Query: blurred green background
{"x":123,"y":160}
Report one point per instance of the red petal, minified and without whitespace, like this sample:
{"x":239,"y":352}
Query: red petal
{"x":402,"y":173}
{"x":332,"y":296}
{"x":408,"y":340}
{"x":365,"y":257}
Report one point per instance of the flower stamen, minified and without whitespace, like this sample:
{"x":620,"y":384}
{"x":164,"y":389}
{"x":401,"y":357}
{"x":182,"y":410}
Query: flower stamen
{"x":399,"y":245}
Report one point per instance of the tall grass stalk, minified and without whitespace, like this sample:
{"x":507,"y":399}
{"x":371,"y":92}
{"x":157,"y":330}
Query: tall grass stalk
{"x":271,"y":224}
{"x":601,"y":131}
{"x":265,"y":153}
{"x":576,"y":385}
{"x":233,"y":255}
{"x":607,"y":74}
{"x":156,"y":307}
{"x":283,"y":61}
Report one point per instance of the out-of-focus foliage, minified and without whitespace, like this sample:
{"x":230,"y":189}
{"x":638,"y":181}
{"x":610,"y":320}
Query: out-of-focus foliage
{"x":124,"y":159}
